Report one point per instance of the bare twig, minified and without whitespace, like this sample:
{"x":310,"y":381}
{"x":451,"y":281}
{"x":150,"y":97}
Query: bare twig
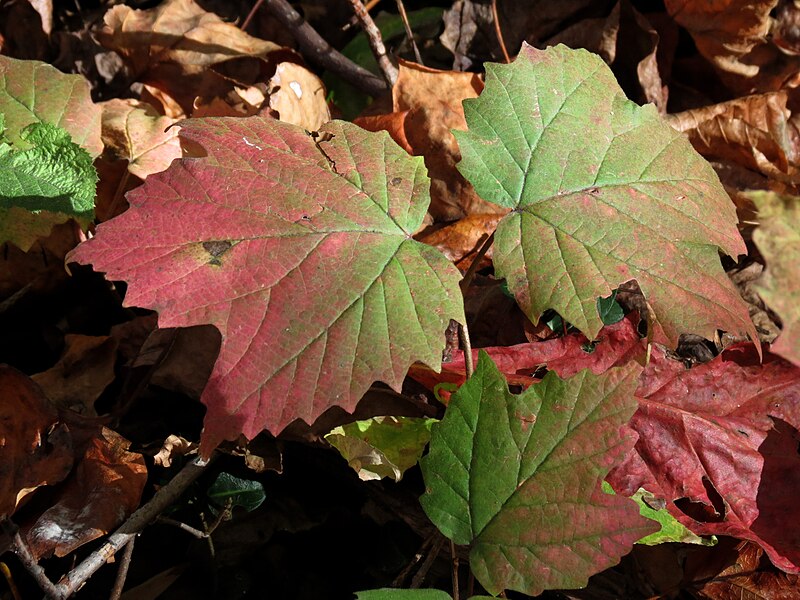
{"x":375,"y":42}
{"x":200,"y":535}
{"x":122,"y":572}
{"x":473,"y":267}
{"x":499,"y":32}
{"x":354,"y":20}
{"x":466,"y":346}
{"x":419,"y":576}
{"x":454,"y":554}
{"x":409,"y":34}
{"x":318,"y":51}
{"x":162,"y":500}
{"x":20,"y":548}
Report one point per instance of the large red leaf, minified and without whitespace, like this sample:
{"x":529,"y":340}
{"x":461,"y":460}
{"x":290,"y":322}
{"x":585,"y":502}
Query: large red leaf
{"x":300,"y":252}
{"x":719,"y":443}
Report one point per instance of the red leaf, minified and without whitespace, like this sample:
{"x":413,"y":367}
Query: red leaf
{"x":615,"y":345}
{"x":719,"y":443}
{"x":299,"y":251}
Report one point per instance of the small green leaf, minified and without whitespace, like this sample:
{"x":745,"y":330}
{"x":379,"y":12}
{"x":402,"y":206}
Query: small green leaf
{"x":671,"y":529}
{"x":517,"y":477}
{"x":609,"y":309}
{"x":49,"y":182}
{"x":382,"y":446}
{"x":245,"y":493}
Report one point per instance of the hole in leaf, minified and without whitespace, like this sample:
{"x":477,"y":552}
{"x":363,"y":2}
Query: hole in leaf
{"x":702,"y":512}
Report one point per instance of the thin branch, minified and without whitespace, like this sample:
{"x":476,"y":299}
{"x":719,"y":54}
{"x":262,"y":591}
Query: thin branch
{"x":419,"y":576}
{"x":122,"y":572}
{"x":20,"y":548}
{"x":354,"y":20}
{"x":200,"y":535}
{"x":499,"y":32}
{"x":454,"y":554}
{"x":409,"y":34}
{"x":466,"y":346}
{"x":473,"y":267}
{"x":318,"y":51}
{"x":375,"y":42}
{"x":162,"y":500}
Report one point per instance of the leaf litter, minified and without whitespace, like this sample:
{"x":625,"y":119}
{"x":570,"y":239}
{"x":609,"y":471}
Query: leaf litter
{"x":716,"y":446}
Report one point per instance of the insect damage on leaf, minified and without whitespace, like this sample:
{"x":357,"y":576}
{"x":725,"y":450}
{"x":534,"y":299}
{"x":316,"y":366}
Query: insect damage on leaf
{"x":216,"y":250}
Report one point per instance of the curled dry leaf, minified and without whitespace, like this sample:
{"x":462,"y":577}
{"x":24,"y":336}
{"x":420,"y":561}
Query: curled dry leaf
{"x":734,"y":36}
{"x":37,"y":446}
{"x":426,"y":105}
{"x":298,"y":96}
{"x":134,"y":131}
{"x":758,"y":132}
{"x":84,"y":370}
{"x":105,"y":487}
{"x":166,"y":46}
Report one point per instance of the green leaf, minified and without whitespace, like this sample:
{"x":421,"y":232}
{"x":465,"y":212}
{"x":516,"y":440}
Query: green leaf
{"x":50,"y":182}
{"x":601,"y":192}
{"x":382,"y":446}
{"x":609,"y":309}
{"x":245,"y":493}
{"x":517,"y":477}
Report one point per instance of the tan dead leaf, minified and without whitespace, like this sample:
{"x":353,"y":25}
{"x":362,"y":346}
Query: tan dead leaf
{"x":82,"y":373}
{"x":134,"y":131}
{"x":754,"y":131}
{"x":169,"y":47}
{"x":36,"y":445}
{"x":104,"y":488}
{"x":173,"y":446}
{"x":461,"y":240}
{"x":431,"y":100}
{"x":298,"y":96}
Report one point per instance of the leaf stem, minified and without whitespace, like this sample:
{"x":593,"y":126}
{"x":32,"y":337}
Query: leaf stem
{"x":473,"y":267}
{"x":466,"y":346}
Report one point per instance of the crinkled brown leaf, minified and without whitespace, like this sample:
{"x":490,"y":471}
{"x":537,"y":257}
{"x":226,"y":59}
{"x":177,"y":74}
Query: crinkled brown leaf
{"x":298,"y":96}
{"x":755,"y":131}
{"x":36,"y":445}
{"x":168,"y":45}
{"x":103,"y":490}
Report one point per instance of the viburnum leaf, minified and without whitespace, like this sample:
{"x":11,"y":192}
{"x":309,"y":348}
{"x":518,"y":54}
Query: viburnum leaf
{"x":778,"y":239}
{"x":35,"y":92}
{"x":518,"y":477}
{"x":602,"y":191}
{"x":299,"y":250}
{"x":48,"y":182}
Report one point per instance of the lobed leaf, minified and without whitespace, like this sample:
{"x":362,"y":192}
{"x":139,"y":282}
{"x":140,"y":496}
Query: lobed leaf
{"x":299,"y":250}
{"x":518,"y":477}
{"x":602,"y":191}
